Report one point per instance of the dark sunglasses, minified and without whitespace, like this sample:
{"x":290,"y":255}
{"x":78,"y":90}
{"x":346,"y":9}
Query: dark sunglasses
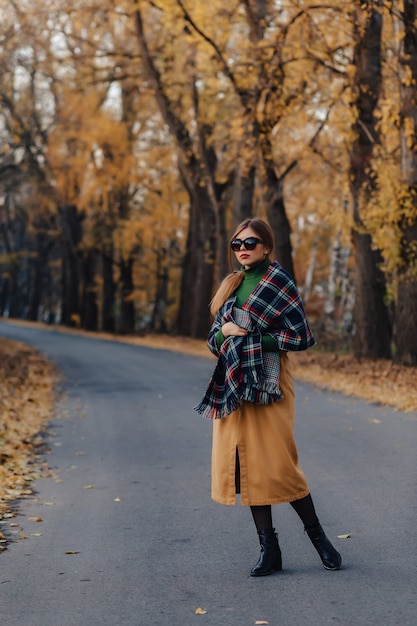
{"x":250,"y":243}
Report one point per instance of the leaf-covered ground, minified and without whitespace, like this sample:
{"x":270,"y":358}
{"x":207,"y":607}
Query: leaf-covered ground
{"x":26,"y":399}
{"x":27,"y":396}
{"x":373,"y":381}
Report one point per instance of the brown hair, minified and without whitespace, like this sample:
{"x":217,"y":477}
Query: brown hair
{"x":233,"y":280}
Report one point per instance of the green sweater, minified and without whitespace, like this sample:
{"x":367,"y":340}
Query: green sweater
{"x":251,"y":279}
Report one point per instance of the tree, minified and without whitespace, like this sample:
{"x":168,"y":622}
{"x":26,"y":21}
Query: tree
{"x":199,"y":260}
{"x":372,"y":325}
{"x":406,"y":305}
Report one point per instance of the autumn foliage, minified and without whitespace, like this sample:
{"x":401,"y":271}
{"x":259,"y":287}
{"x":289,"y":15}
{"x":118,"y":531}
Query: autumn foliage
{"x":26,"y":400}
{"x":136,"y":135}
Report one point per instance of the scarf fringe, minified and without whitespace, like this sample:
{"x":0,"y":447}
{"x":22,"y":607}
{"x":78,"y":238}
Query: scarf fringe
{"x":250,"y":395}
{"x":214,"y":413}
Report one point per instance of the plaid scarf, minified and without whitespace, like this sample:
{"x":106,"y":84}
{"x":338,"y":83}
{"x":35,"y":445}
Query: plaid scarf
{"x":275,"y":308}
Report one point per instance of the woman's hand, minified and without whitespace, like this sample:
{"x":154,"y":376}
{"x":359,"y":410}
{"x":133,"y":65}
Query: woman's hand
{"x":230,"y":329}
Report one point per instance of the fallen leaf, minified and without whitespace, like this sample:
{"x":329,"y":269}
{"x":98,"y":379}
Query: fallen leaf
{"x":200,"y":611}
{"x":88,"y":486}
{"x":117,"y":499}
{"x":36,"y":519}
{"x":35,"y":535}
{"x":261,"y":621}
{"x":345,"y":536}
{"x":14,"y":492}
{"x":72,"y":552}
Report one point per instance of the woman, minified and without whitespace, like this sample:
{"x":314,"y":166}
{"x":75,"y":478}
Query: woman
{"x":259,"y":317}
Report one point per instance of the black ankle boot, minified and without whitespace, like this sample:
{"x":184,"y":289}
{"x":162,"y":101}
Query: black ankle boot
{"x":270,"y":560}
{"x":330,"y":557}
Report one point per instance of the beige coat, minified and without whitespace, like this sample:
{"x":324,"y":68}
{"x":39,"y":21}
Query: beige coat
{"x":268,"y":459}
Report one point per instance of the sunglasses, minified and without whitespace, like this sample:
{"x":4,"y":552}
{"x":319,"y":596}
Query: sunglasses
{"x":250,"y":243}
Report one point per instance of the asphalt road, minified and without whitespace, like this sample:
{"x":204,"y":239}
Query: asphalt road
{"x":130,"y":497}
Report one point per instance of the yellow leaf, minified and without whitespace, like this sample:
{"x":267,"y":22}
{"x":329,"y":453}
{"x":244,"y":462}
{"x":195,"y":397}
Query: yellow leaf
{"x":345,"y":536}
{"x":200,"y":611}
{"x":88,"y":486}
{"x":375,"y":421}
{"x":36,"y":519}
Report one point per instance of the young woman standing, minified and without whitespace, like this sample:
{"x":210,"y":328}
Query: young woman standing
{"x":259,"y":317}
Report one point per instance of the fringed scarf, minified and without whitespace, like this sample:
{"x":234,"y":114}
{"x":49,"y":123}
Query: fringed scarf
{"x":242,"y":372}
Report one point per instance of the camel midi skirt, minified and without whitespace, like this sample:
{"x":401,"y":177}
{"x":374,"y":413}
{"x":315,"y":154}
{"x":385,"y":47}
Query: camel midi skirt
{"x":263,"y":438}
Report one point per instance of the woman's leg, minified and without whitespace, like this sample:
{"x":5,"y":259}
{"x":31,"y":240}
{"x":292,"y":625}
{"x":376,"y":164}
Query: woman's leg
{"x":330,"y":557}
{"x":262,"y":516}
{"x":306,"y":511}
{"x":270,"y":559}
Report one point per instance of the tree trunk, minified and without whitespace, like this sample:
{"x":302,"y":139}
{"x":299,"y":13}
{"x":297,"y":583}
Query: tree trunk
{"x":406,"y":305}
{"x":71,"y":236}
{"x":158,"y":321}
{"x":43,"y":247}
{"x":278,"y":220}
{"x":127,"y":306}
{"x":405,"y":324}
{"x":12,"y":304}
{"x":223,"y":238}
{"x":108,"y":312}
{"x":244,"y":189}
{"x":198,"y":267}
{"x":4,"y":294}
{"x":36,"y":289}
{"x":308,"y":283}
{"x":89,"y":308}
{"x":372,"y":325}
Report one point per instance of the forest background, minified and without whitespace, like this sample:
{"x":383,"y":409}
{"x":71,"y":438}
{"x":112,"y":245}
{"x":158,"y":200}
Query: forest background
{"x":136,"y":135}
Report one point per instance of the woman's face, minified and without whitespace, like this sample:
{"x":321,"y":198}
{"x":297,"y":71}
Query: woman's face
{"x":249,"y":258}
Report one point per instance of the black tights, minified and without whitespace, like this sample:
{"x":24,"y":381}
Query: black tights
{"x":262,"y":515}
{"x":304,"y":507}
